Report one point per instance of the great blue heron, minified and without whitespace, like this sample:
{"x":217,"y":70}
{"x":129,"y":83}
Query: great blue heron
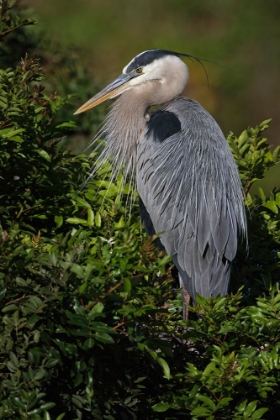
{"x":186,"y":176}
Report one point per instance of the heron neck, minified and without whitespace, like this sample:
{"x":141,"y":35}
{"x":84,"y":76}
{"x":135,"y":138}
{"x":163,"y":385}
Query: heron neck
{"x":126,"y":120}
{"x":123,"y":127}
{"x":131,"y":109}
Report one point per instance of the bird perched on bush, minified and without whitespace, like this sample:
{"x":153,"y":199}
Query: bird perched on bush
{"x":187,"y":180}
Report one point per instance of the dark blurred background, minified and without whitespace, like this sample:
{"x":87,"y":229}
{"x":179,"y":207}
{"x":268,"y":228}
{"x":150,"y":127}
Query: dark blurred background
{"x":243,"y":36}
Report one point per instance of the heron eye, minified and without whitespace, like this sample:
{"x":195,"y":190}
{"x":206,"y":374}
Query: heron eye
{"x":139,"y":70}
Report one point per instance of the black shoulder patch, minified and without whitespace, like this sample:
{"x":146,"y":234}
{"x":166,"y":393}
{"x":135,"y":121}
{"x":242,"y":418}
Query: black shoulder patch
{"x":162,"y":125}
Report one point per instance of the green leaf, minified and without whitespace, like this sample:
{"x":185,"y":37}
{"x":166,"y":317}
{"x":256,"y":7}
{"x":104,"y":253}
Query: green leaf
{"x":200,"y":412}
{"x":271,"y":205}
{"x":76,"y":221}
{"x":262,"y":195}
{"x":11,"y":307}
{"x":127,"y":285}
{"x":11,"y":133}
{"x":44,"y":154}
{"x":39,"y":109}
{"x":250,"y":409}
{"x":78,"y":401}
{"x":161,"y":407}
{"x":276,"y":153}
{"x":242,"y":138}
{"x":165,"y":367}
{"x":68,"y":124}
{"x":59,"y":221}
{"x":265,"y":123}
{"x":90,"y":218}
{"x":120,"y":224}
{"x":207,"y":401}
{"x":97,"y":309}
{"x":61,"y":416}
{"x":224,"y":402}
{"x":104,"y":337}
{"x":259,"y":413}
{"x":277,"y":199}
{"x":97,"y":219}
{"x":47,"y":406}
{"x":81,"y":202}
{"x":77,"y":269}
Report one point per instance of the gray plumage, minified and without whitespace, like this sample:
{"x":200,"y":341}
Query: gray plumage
{"x":185,"y":173}
{"x":190,"y":187}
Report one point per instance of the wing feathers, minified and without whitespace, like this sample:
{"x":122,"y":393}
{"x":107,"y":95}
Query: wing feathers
{"x":203,"y":231}
{"x":190,"y":187}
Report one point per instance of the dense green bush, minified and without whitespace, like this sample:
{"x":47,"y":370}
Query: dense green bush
{"x":90,"y":314}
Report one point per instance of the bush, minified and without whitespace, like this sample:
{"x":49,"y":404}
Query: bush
{"x":91,"y":324}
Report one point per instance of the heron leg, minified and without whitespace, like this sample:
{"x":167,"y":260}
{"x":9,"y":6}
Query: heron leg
{"x":186,"y":301}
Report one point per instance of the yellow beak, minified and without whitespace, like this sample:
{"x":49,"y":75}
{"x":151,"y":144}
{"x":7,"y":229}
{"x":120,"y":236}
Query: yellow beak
{"x":119,"y":85}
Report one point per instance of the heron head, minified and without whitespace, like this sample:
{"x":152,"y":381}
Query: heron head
{"x":162,"y":66}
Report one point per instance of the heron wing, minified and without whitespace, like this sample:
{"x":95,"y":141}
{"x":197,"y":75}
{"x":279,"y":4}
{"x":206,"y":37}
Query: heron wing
{"x":188,"y":182}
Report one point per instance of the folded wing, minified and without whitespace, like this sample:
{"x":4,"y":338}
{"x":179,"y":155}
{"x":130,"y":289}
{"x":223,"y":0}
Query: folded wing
{"x":190,"y":189}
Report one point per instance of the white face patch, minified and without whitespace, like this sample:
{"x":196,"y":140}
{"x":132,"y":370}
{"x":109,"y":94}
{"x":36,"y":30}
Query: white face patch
{"x":169,"y":66}
{"x":167,"y":74}
{"x":152,"y":71}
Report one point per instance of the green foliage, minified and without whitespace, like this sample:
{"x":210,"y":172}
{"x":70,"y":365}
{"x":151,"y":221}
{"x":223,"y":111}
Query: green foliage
{"x":233,"y":354}
{"x":254,"y":157}
{"x":90,"y":317}
{"x":12,"y":26}
{"x":10,"y":21}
